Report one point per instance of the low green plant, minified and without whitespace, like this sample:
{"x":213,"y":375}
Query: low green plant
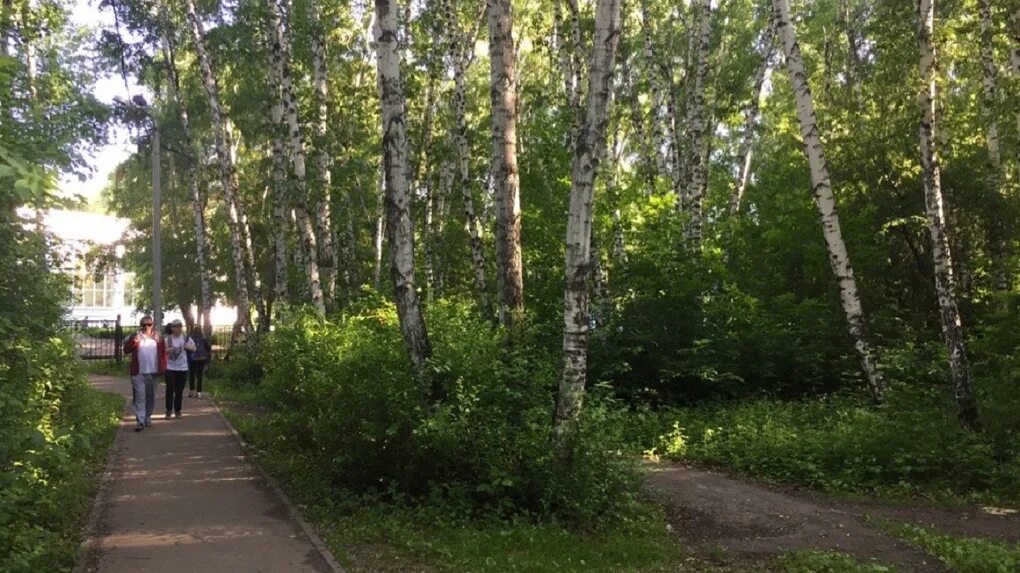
{"x":910,"y":445}
{"x":828,"y":562}
{"x":961,"y":554}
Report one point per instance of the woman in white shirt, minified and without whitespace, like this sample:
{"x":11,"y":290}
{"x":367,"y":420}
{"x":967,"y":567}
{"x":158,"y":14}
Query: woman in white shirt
{"x":178,"y":345}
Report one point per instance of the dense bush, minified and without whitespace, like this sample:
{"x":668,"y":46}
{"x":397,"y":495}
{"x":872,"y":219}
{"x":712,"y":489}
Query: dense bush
{"x":53,"y":428}
{"x":343,"y":393}
{"x":909,"y":445}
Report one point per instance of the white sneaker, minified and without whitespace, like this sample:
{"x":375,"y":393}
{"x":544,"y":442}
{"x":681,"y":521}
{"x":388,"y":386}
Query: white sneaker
{"x":199,"y":394}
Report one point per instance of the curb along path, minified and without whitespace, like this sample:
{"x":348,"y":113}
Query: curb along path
{"x":181,"y":497}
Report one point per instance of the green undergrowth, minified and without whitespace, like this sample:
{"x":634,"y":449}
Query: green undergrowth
{"x":51,"y":471}
{"x":828,"y":562}
{"x":910,"y":446}
{"x":960,"y":554}
{"x":369,"y":533}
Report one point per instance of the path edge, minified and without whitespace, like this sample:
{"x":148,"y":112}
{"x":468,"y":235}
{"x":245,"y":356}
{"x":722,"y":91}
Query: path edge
{"x":292,"y":509}
{"x":89,"y":546}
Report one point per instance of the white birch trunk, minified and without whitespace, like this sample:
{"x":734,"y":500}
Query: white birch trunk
{"x":280,"y":53}
{"x":506,"y":180}
{"x":461,"y":56}
{"x":945,"y":284}
{"x":192,"y":172}
{"x":1014,"y":55}
{"x":697,"y":125}
{"x":380,"y":228}
{"x":752,"y":116}
{"x":655,"y":82}
{"x":996,"y":239}
{"x":398,"y":201}
{"x":228,"y":172}
{"x":839,"y":258}
{"x":328,"y":265}
{"x":589,"y":148}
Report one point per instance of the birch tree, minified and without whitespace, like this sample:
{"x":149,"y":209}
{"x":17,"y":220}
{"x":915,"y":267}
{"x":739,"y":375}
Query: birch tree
{"x":697,"y":126}
{"x":945,"y":282}
{"x":281,"y":69}
{"x":587,"y":151}
{"x":821,"y":185}
{"x":988,"y":104}
{"x":503,"y":82}
{"x":195,"y":161}
{"x":329,"y":265}
{"x":752,"y":115}
{"x":399,"y":227}
{"x":228,"y":171}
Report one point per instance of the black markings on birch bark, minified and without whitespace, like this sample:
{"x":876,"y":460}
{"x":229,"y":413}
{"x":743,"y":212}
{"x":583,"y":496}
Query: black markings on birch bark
{"x":945,"y":282}
{"x":228,"y":172}
{"x":587,"y":151}
{"x":839,"y":258}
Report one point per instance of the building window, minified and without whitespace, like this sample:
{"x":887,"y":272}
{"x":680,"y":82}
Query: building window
{"x":96,"y":292}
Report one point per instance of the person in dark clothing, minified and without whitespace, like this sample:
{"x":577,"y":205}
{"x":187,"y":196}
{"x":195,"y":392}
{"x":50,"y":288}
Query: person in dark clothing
{"x":198,"y":360}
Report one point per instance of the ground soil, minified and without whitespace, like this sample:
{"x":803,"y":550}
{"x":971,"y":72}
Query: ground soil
{"x":727,"y":519}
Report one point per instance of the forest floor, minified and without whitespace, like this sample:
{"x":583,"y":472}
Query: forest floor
{"x":733,"y":522}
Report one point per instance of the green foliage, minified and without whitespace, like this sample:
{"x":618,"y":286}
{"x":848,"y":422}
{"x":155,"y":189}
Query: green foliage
{"x":342,"y":394}
{"x":828,"y":562}
{"x":907,"y":446}
{"x":963,"y":555}
{"x":369,"y":534}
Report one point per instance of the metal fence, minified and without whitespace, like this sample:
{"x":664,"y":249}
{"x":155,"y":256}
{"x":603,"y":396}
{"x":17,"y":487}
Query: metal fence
{"x":103,"y":340}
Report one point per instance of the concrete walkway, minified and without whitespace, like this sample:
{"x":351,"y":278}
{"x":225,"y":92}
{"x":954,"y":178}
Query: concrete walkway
{"x":181,"y":497}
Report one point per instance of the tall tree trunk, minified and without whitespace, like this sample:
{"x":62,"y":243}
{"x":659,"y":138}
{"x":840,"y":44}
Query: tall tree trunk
{"x":997,"y":239}
{"x":653,"y":69}
{"x":192,"y":173}
{"x":280,"y":54}
{"x":1014,"y":54}
{"x":752,"y":116}
{"x":589,"y":148}
{"x":328,"y":263}
{"x":503,"y":78}
{"x":848,"y":16}
{"x":945,"y":284}
{"x":280,"y":199}
{"x":380,"y":228}
{"x":398,"y":201}
{"x":461,"y":55}
{"x":228,"y":172}
{"x":822,"y":188}
{"x":697,"y":126}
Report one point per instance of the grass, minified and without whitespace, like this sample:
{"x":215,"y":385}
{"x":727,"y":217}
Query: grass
{"x":828,"y":562}
{"x":961,"y":554}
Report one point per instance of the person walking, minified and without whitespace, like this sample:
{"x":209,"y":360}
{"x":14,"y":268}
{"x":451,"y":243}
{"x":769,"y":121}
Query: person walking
{"x":148,"y":361}
{"x":178,"y":344}
{"x":197,"y":361}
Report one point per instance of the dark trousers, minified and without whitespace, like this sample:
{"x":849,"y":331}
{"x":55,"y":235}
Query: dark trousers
{"x":175,"y":380}
{"x":196,"y":371}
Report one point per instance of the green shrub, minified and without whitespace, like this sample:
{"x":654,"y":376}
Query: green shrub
{"x":964,"y":555}
{"x":343,"y":393}
{"x":911,"y":444}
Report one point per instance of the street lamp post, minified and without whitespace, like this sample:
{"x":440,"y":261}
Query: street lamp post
{"x":157,"y":253}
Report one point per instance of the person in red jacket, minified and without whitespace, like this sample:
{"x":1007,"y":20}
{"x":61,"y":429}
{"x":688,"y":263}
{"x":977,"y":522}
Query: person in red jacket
{"x":148,"y":361}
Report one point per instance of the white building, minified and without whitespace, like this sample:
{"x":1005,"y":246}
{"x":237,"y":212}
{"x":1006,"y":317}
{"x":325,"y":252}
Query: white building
{"x":114,"y":292}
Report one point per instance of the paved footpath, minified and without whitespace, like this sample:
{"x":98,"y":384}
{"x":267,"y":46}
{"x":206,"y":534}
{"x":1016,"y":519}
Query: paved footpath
{"x":180,"y":497}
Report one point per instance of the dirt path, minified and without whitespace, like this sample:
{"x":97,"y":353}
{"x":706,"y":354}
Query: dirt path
{"x":181,"y":497}
{"x":754,"y":521}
